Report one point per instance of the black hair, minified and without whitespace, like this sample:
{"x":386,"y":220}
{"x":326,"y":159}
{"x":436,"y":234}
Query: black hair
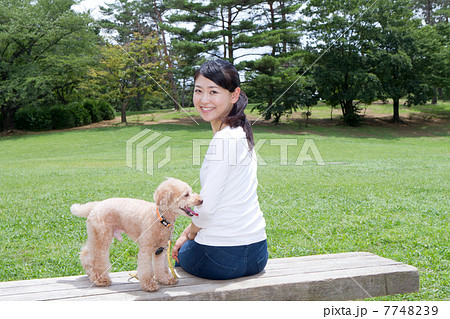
{"x":225,"y":75}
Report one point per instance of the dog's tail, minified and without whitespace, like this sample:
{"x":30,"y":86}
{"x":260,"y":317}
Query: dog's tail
{"x":82,"y":210}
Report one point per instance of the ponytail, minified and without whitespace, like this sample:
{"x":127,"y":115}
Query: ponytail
{"x":237,"y":118}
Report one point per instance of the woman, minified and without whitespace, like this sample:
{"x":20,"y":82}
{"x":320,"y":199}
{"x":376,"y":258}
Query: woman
{"x":227,"y":239}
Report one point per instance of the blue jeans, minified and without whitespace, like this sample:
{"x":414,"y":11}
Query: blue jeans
{"x":213,"y":262}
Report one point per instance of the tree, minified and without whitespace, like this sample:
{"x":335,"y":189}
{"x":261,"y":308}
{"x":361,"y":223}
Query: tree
{"x":341,"y":69}
{"x":45,"y":49}
{"x":144,"y":17}
{"x":213,"y":25}
{"x":277,"y":84}
{"x":123,"y":18}
{"x":405,"y":54}
{"x":274,"y":79}
{"x":441,"y":68}
{"x":126,"y":71}
{"x":434,"y":13}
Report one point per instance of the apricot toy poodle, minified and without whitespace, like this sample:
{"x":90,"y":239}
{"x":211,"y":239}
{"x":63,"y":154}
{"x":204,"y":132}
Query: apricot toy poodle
{"x":148,"y":224}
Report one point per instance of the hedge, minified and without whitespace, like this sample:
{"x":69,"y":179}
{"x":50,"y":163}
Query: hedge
{"x":63,"y":116}
{"x":80,"y":115}
{"x":32,"y":119}
{"x":106,"y":110}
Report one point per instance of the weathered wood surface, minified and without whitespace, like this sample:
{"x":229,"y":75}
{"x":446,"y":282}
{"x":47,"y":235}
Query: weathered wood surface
{"x":345,"y":276}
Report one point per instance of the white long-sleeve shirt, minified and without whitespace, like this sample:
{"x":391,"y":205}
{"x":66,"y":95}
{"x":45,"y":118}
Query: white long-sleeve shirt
{"x":230,"y":214}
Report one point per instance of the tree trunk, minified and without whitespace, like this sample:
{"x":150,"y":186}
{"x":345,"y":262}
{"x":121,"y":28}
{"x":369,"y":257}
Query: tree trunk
{"x":283,"y":19}
{"x":344,"y":111}
{"x":230,"y":36}
{"x":124,"y":111}
{"x":170,"y":75}
{"x":435,"y":98}
{"x":224,"y":39}
{"x":272,"y":24}
{"x":396,"y":117}
{"x":277,"y":118}
{"x":8,"y":117}
{"x":347,"y":107}
{"x":268,"y":113}
{"x":183,"y":92}
{"x":429,"y":11}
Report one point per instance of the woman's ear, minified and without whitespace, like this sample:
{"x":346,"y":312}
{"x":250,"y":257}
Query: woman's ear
{"x":235,"y":95}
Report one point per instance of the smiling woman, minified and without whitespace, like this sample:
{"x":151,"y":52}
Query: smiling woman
{"x":219,"y":99}
{"x":213,"y":102}
{"x":227,"y":239}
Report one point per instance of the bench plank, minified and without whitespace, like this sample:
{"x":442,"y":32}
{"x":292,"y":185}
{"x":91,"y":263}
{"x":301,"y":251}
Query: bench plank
{"x":345,"y":276}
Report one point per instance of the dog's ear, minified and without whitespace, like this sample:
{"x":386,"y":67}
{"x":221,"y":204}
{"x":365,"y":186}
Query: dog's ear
{"x":163,"y":196}
{"x":157,"y":197}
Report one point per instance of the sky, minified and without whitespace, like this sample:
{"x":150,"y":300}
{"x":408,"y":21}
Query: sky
{"x":92,"y":5}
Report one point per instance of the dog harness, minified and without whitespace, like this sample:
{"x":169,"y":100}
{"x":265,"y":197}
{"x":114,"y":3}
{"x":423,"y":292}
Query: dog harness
{"x":162,"y":220}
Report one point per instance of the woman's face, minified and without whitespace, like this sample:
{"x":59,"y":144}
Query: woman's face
{"x":212,"y":101}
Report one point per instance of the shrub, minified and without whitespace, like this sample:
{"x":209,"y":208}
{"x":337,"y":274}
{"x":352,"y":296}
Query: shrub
{"x":62,"y":117}
{"x":92,"y":108}
{"x":353,"y":119}
{"x":157,"y":102}
{"x":33,"y":119}
{"x":80,"y":115}
{"x":106,"y":110}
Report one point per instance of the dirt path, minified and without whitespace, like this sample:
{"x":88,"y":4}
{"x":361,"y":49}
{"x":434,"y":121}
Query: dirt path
{"x":412,"y":124}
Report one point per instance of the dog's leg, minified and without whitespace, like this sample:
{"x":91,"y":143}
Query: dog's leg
{"x":145,"y":268}
{"x":95,"y":256}
{"x":86,"y":259}
{"x":162,"y":272}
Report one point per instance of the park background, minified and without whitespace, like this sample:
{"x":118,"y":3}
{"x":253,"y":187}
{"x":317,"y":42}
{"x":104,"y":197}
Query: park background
{"x":368,"y":81}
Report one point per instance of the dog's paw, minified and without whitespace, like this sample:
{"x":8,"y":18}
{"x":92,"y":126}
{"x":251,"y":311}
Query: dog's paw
{"x":149,"y":285}
{"x":168,"y":280}
{"x":100,"y":281}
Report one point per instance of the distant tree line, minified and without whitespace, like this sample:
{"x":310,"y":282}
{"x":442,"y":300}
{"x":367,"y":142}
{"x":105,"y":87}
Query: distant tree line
{"x":291,"y":53}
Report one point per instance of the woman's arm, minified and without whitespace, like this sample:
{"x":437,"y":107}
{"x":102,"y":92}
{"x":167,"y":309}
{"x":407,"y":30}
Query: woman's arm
{"x":193,"y":230}
{"x":214,"y":177}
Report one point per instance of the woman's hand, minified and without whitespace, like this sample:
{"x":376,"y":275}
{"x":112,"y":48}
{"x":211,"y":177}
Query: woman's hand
{"x":188,"y":234}
{"x":181,"y":240}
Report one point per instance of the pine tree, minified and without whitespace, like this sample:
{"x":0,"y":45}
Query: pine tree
{"x":214,"y":28}
{"x":203,"y":30}
{"x":274,"y":80}
{"x":433,"y":12}
{"x":144,"y":17}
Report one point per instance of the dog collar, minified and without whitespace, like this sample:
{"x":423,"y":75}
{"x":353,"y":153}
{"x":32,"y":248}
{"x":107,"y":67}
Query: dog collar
{"x":162,"y":220}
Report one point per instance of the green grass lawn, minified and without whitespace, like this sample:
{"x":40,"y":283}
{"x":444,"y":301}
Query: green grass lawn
{"x":386,"y":193}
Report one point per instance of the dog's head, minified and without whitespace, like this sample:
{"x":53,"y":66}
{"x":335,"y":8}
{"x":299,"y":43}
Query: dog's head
{"x":174,"y":198}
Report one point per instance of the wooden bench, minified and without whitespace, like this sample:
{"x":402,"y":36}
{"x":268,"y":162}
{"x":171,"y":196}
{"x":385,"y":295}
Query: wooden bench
{"x":345,"y":276}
